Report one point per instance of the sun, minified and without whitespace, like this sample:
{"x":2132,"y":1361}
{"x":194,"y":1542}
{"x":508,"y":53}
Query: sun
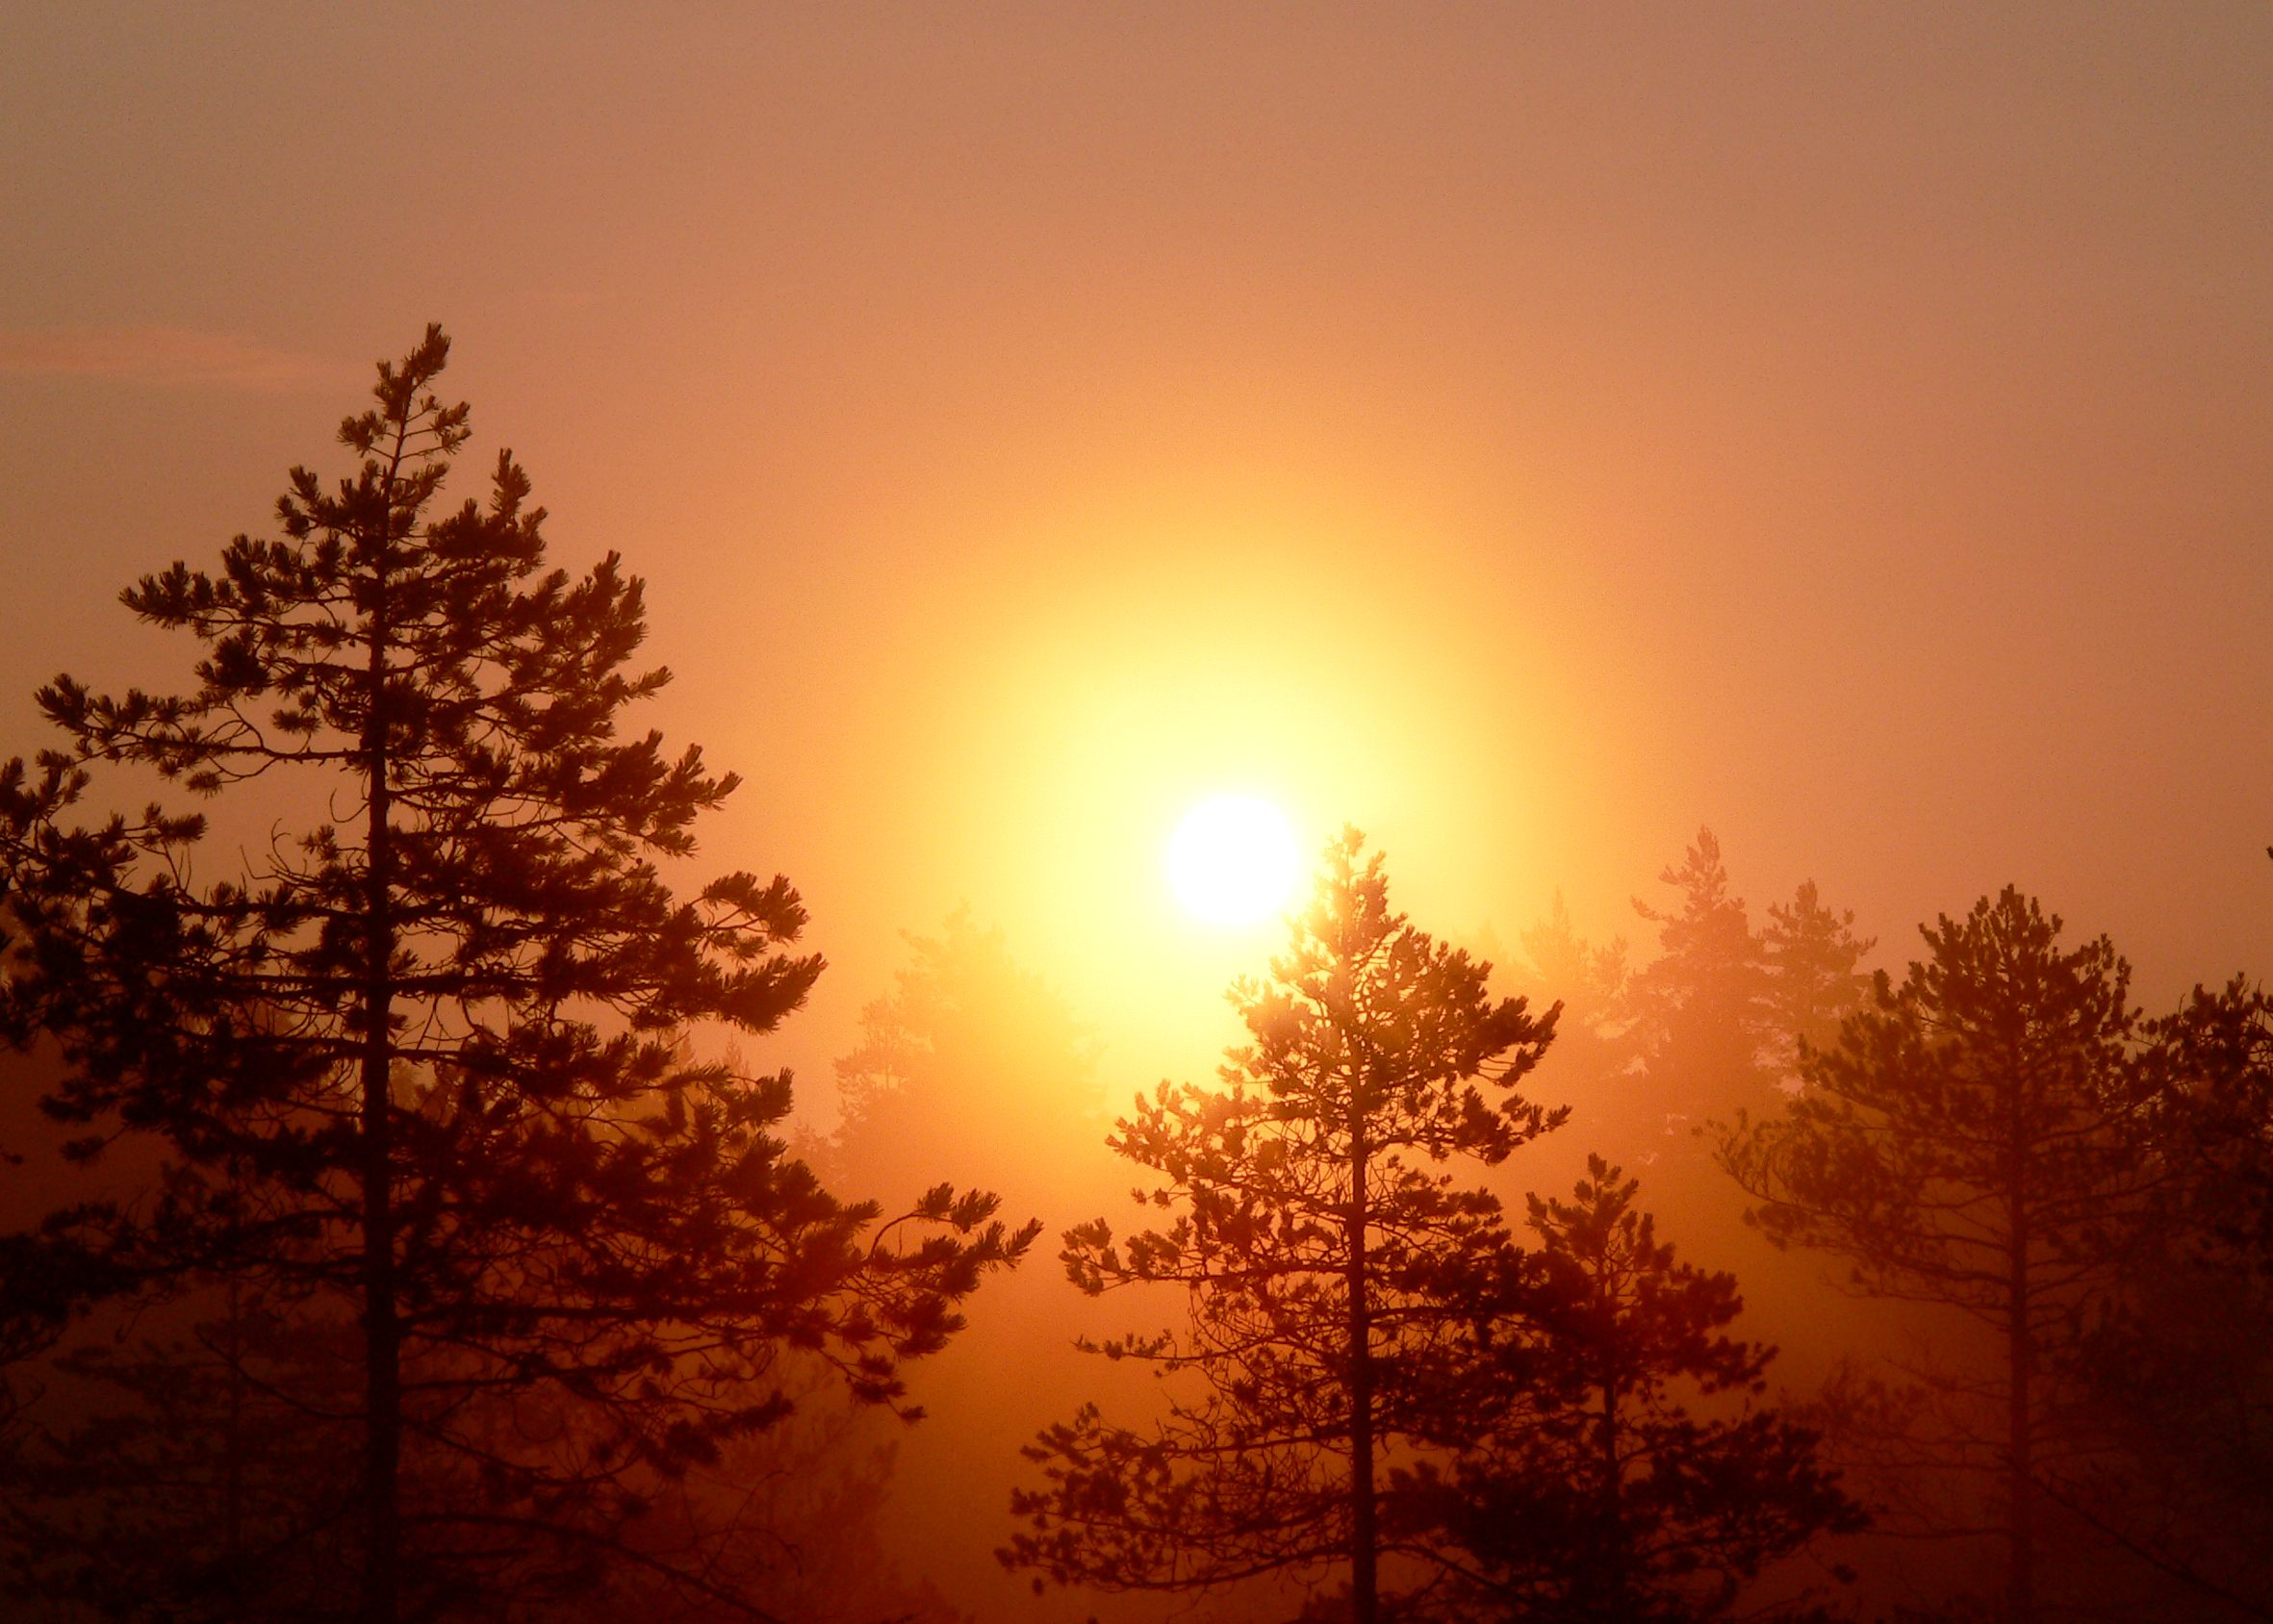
{"x":1234,"y":860}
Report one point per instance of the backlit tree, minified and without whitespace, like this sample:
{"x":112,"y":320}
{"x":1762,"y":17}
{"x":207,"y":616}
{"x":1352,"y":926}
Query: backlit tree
{"x":421,"y":1061}
{"x":1699,"y":1010}
{"x":1975,"y":1141}
{"x":1814,"y":980}
{"x":1336,"y":1273}
{"x":1641,"y":1478}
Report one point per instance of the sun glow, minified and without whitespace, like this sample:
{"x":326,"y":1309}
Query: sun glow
{"x":1234,"y":860}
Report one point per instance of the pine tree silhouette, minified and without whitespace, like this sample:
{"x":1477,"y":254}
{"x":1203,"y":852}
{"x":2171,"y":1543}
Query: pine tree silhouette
{"x":423,"y":1059}
{"x":1336,"y":1279}
{"x":1620,"y":1492}
{"x":1974,"y":1141}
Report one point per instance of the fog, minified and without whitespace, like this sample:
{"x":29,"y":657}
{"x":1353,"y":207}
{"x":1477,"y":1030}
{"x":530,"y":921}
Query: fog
{"x":1827,"y":449}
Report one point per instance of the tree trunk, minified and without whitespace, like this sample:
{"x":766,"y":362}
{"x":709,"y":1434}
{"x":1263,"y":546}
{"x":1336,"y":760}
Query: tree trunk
{"x":1364,"y":1539}
{"x":2021,"y":1485}
{"x":1613,"y":1578}
{"x":382,"y":1333}
{"x":2020,"y":1606}
{"x":233,"y":1444}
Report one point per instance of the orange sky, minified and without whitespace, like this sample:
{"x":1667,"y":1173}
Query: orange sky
{"x":1526,"y":433}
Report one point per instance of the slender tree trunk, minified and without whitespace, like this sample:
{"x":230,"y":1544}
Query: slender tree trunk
{"x":2020,"y":1482}
{"x":382,"y":1332}
{"x":233,"y":1445}
{"x":1363,"y":1538}
{"x":233,"y":1418}
{"x":1613,"y":1578}
{"x":2020,"y":1605}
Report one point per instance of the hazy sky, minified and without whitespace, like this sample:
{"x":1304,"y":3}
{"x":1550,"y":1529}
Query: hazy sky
{"x":1528,"y":433}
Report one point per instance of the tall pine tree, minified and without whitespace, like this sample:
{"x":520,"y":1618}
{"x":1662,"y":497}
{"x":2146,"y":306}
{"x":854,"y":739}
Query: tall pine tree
{"x":422,"y":1062}
{"x":1334,"y":1276}
{"x":1975,"y":1141}
{"x":1700,"y":1017}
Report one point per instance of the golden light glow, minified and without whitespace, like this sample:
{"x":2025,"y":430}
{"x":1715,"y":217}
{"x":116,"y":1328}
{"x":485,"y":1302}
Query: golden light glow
{"x":1234,"y":860}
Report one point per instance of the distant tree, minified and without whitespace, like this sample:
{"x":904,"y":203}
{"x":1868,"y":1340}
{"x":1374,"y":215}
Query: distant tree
{"x":1973,"y":1141}
{"x":967,"y":1039}
{"x":1701,"y":1015}
{"x":195,"y":1477}
{"x":1606,"y":1497}
{"x":421,"y":1065}
{"x":1591,"y":1051}
{"x":1815,"y":981}
{"x":1334,"y":1276}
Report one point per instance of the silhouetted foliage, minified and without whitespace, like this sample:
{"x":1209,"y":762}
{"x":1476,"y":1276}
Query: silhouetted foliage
{"x":2214,"y":1063}
{"x":1974,"y":1141}
{"x":1814,"y":981}
{"x":419,"y":1066}
{"x":1606,"y":1497}
{"x":2178,"y":1371}
{"x":200,"y":1479}
{"x":1700,"y":1009}
{"x":1336,"y":1280}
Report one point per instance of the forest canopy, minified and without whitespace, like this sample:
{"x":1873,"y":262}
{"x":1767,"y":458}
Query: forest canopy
{"x":408,"y":1235}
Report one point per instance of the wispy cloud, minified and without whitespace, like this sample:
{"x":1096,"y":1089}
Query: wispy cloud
{"x":168,"y":355}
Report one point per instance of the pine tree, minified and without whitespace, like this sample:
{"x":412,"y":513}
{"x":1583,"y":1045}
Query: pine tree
{"x":1974,"y":1141}
{"x":1334,"y":1276}
{"x":422,"y":1063}
{"x":1614,"y":1495}
{"x":1814,"y":980}
{"x":1700,"y":1028}
{"x":1700,"y":1009}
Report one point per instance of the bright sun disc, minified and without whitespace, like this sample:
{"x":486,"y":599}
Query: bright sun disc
{"x":1234,"y":860}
